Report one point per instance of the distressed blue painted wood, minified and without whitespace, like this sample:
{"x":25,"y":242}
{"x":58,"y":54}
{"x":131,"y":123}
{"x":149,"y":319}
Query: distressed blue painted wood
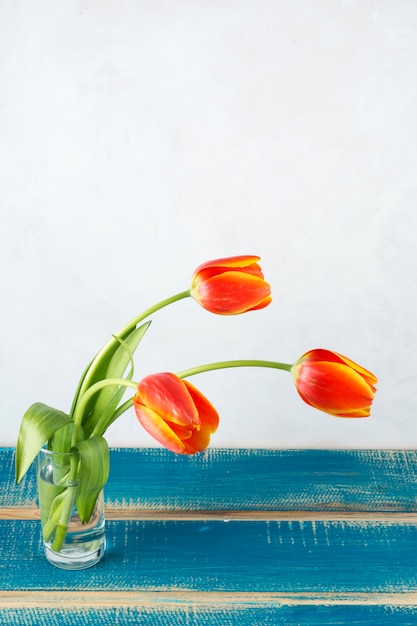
{"x":240,"y":556}
{"x":235,"y":614}
{"x":265,"y":480}
{"x":227,"y":537}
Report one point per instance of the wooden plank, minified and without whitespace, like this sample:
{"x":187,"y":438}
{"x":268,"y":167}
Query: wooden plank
{"x":138,"y":514}
{"x":236,"y":480}
{"x":125,"y":599}
{"x":213,"y":556}
{"x":213,"y":615}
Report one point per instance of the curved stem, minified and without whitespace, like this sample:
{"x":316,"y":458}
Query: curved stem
{"x":118,"y":412}
{"x":91,"y":369}
{"x":81,"y":405}
{"x":66,"y":506}
{"x":100,"y":427}
{"x":152,"y":309}
{"x":236,"y":363}
{"x":205,"y":368}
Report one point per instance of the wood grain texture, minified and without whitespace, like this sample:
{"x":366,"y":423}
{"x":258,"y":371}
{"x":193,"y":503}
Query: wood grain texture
{"x":227,"y":537}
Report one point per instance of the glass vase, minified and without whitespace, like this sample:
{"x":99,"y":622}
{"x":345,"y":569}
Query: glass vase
{"x":84,"y":544}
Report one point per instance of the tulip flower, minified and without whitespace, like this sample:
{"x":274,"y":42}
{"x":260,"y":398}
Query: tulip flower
{"x":231,"y":286}
{"x":175,"y":413}
{"x":334,"y":384}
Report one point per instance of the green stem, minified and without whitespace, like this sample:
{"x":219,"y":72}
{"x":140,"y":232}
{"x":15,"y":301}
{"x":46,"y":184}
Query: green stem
{"x":63,"y":523}
{"x":66,"y":506}
{"x":236,"y":363}
{"x":118,"y":412}
{"x":52,"y":521}
{"x":91,"y":369}
{"x":198,"y":370}
{"x":81,"y":405}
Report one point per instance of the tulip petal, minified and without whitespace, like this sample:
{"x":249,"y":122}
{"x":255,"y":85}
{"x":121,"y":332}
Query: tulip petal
{"x":357,"y":413}
{"x":365,"y":412}
{"x":320,"y":354}
{"x":198,"y":441}
{"x":209,"y":416}
{"x":262,"y":304}
{"x":366,"y":374}
{"x":181,"y":431}
{"x":158,"y":428}
{"x":208,"y":272}
{"x":333,"y":387}
{"x":227,"y":262}
{"x":167,"y":395}
{"x":232,"y":293}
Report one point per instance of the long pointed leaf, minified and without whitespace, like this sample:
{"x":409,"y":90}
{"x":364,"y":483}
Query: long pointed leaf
{"x":93,"y":473}
{"x":106,"y":401}
{"x":38,"y":425}
{"x":94,"y":372}
{"x":97,"y":371}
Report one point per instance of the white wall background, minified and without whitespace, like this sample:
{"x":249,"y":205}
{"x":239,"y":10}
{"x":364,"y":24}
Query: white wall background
{"x":139,"y":139}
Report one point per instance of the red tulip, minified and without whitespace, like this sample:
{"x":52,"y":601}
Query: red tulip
{"x":231,"y":286}
{"x":334,"y":384}
{"x":175,"y":413}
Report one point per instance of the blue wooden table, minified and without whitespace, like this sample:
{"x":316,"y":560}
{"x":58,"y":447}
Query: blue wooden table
{"x":227,"y":537}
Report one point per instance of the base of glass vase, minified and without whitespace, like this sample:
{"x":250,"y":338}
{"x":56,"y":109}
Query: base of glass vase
{"x":77,"y":554}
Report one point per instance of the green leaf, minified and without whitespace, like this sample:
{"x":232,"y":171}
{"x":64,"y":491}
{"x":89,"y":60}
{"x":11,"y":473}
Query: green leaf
{"x":62,"y":438}
{"x":38,"y":425}
{"x":94,"y":468}
{"x":106,"y":401}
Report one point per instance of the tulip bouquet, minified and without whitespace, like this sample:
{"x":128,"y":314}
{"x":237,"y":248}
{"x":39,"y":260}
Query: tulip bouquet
{"x":167,"y":405}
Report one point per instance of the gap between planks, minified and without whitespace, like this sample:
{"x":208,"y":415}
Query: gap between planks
{"x":178,"y":599}
{"x":135,"y":514}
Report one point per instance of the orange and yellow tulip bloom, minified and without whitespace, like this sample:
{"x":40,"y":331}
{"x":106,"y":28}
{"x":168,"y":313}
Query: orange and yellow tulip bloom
{"x":334,"y":384}
{"x":231,"y":286}
{"x":175,"y":413}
